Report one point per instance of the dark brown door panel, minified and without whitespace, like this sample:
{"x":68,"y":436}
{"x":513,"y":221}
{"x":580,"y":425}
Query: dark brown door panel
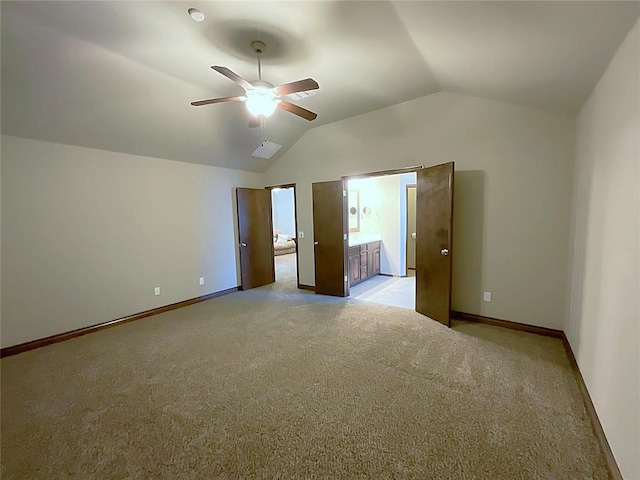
{"x":434,"y":239}
{"x":329,"y":244}
{"x":255,"y":237}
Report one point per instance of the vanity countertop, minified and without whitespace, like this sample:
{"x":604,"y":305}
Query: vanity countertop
{"x":356,"y":239}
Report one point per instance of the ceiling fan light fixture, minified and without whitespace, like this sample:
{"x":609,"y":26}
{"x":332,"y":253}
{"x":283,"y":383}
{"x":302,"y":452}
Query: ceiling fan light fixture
{"x":261,"y":107}
{"x":261,"y":102}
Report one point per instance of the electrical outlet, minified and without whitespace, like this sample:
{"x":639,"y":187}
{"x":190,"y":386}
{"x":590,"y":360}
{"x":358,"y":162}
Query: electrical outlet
{"x":487,"y":296}
{"x":156,"y":291}
{"x":300,"y":234}
{"x":201,"y":280}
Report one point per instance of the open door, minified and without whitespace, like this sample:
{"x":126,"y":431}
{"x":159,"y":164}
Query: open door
{"x":434,"y":239}
{"x":329,"y":242}
{"x":255,"y":237}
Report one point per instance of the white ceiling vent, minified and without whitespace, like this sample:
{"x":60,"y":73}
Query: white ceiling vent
{"x":266,"y":150}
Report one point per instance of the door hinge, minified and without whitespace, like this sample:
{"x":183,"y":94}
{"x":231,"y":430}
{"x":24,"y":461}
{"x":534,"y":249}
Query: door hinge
{"x":344,"y":193}
{"x":345,"y":278}
{"x":345,"y":236}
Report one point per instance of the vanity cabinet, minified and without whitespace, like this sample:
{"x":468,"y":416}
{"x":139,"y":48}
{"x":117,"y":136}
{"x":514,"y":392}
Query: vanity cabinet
{"x":364,"y":262}
{"x":354,"y":266}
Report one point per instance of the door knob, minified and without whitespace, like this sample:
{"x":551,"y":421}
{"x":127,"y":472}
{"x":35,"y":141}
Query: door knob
{"x":444,"y":251}
{"x":243,"y":244}
{"x":316,"y":243}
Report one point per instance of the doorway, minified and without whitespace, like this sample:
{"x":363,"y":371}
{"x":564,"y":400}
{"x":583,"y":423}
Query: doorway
{"x":258,"y":236}
{"x":337,"y":261}
{"x":378,"y":212}
{"x":284,"y":232}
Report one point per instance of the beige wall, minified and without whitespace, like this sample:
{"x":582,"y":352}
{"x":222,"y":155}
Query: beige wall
{"x":603,"y":311}
{"x":87,"y":234}
{"x":513,"y":184}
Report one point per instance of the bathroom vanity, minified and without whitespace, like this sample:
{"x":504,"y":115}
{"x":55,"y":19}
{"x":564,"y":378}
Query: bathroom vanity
{"x":364,"y":260}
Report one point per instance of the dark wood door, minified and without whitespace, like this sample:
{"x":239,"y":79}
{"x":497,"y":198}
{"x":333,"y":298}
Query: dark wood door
{"x":329,"y":230}
{"x":255,"y":237}
{"x":434,"y":240}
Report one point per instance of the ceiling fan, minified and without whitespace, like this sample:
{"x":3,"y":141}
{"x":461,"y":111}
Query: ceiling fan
{"x":261,"y":97}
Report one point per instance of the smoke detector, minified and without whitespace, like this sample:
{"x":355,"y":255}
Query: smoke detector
{"x":196,"y":14}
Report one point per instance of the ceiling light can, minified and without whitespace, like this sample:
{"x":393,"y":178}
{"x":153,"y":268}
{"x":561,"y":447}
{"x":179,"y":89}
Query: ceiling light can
{"x":196,"y":14}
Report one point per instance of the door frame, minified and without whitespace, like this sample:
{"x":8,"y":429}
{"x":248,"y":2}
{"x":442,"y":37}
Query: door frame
{"x":295,"y":224}
{"x":345,"y":206}
{"x":383,"y":173}
{"x":406,"y":226}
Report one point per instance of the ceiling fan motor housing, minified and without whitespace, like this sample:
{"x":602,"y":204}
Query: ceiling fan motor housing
{"x":261,"y":83}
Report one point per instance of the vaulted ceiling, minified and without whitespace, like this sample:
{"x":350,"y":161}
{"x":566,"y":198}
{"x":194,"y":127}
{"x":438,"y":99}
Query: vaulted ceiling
{"x":120,"y":75}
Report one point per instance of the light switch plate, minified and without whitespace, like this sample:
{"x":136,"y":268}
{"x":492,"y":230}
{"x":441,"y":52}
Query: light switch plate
{"x":156,"y":291}
{"x":487,"y":296}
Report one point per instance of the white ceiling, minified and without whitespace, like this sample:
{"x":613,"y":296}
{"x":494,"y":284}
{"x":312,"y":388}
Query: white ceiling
{"x":119,"y":75}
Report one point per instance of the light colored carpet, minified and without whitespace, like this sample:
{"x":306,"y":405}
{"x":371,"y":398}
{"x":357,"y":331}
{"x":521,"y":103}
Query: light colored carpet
{"x":276,"y":383}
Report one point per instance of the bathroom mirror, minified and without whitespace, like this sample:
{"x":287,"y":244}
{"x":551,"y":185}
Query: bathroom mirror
{"x":354,"y":210}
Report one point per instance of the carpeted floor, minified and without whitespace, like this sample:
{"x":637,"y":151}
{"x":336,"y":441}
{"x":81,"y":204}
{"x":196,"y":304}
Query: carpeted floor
{"x":278,"y":383}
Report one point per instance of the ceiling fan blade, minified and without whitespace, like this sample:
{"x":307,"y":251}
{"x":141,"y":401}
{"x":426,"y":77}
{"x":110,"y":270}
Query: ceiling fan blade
{"x":299,"y":86}
{"x":233,"y":76}
{"x":254,"y":122}
{"x":296,"y":110}
{"x":218,"y":100}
